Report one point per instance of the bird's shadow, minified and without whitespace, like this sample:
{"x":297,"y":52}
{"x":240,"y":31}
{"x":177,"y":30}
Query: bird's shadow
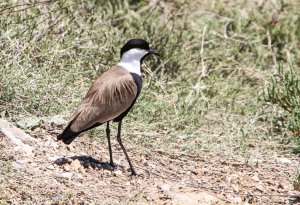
{"x":87,"y":161}
{"x":295,"y":200}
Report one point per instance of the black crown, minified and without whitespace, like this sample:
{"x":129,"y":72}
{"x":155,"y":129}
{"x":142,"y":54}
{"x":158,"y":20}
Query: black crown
{"x":135,"y":43}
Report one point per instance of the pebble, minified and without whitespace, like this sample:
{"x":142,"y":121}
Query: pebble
{"x":284,"y":160}
{"x":67,"y":167}
{"x":67,"y":175}
{"x":165,"y":187}
{"x":21,"y":162}
{"x":50,"y":167}
{"x":118,"y":173}
{"x":255,"y":178}
{"x":55,"y":158}
{"x":76,"y":166}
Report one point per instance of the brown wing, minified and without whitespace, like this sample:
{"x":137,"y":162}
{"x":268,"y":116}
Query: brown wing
{"x":109,"y":96}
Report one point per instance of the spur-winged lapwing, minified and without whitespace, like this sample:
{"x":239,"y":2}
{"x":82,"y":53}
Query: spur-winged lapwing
{"x":111,"y":96}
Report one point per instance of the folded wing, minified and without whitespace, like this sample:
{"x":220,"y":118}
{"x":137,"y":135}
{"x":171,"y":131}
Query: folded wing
{"x":109,"y":96}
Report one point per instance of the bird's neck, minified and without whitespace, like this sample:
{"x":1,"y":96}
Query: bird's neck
{"x":131,"y":65}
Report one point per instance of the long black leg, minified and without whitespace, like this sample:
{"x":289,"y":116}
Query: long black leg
{"x":111,"y":162}
{"x":123,"y":148}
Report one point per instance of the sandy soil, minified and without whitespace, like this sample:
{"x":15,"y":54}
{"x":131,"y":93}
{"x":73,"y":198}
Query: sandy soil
{"x":53,"y":173}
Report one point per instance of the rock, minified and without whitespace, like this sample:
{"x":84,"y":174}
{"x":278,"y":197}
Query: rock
{"x":67,"y":167}
{"x":58,"y":197}
{"x":255,"y":177}
{"x":260,"y":187}
{"x":202,"y":198}
{"x":21,"y":162}
{"x":66,"y":175}
{"x":153,"y":166}
{"x":255,"y":161}
{"x":76,"y":166}
{"x":55,"y":158}
{"x":29,"y":122}
{"x":285,"y":185}
{"x":16,"y":135}
{"x":165,"y":187}
{"x":50,"y":167}
{"x":236,"y":200}
{"x":118,"y":173}
{"x":284,"y":160}
{"x":25,"y":148}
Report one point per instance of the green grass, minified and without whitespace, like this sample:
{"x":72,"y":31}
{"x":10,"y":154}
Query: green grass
{"x":284,"y":92}
{"x":6,"y":167}
{"x":205,"y":93}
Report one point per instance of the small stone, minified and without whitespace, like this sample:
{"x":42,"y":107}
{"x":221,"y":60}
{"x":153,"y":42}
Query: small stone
{"x":50,"y":167}
{"x":152,"y":165}
{"x":260,"y":187}
{"x":18,"y":137}
{"x":55,"y":158}
{"x":148,"y":198}
{"x":205,"y":170}
{"x":58,"y":196}
{"x":76,"y":165}
{"x":25,"y":148}
{"x":284,"y":185}
{"x":255,"y":178}
{"x":193,"y":198}
{"x":21,"y":162}
{"x":284,"y":160}
{"x":165,"y":187}
{"x":107,"y":172}
{"x":236,"y":200}
{"x":67,"y":175}
{"x":255,"y":161}
{"x":118,"y":173}
{"x":236,"y":188}
{"x":127,"y":184}
{"x":67,"y":167}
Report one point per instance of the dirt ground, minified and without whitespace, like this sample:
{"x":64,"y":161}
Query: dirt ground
{"x":53,"y":173}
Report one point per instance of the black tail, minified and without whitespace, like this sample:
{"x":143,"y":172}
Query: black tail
{"x":67,"y":136}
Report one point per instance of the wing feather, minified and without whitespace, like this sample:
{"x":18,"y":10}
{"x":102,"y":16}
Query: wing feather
{"x":109,"y":96}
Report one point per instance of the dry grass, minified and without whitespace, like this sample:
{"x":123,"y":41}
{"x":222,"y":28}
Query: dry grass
{"x":205,"y":94}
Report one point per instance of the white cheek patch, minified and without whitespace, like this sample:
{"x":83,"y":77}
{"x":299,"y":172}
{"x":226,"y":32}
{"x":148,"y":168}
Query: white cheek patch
{"x":131,"y":60}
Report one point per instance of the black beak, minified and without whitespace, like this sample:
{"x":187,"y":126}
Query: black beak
{"x":152,"y":51}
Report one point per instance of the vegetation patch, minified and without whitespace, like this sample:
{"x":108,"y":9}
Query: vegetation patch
{"x":204,"y":94}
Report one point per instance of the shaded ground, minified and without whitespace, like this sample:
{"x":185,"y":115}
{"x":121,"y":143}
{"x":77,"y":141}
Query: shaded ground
{"x":79,"y":174}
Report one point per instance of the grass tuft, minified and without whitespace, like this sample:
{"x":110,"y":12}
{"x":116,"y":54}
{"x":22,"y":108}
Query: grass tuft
{"x":205,"y":94}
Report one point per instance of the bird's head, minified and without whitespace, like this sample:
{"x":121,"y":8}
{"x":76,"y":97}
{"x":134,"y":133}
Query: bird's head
{"x":136,"y":50}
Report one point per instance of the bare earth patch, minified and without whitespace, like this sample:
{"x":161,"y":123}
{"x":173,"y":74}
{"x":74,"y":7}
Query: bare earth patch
{"x":79,"y":174}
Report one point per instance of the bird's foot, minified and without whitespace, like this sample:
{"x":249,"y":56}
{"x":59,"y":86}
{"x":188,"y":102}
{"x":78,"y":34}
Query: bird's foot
{"x":112,"y":165}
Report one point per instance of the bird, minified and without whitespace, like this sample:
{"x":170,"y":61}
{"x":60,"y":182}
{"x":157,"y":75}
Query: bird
{"x":111,"y":96}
